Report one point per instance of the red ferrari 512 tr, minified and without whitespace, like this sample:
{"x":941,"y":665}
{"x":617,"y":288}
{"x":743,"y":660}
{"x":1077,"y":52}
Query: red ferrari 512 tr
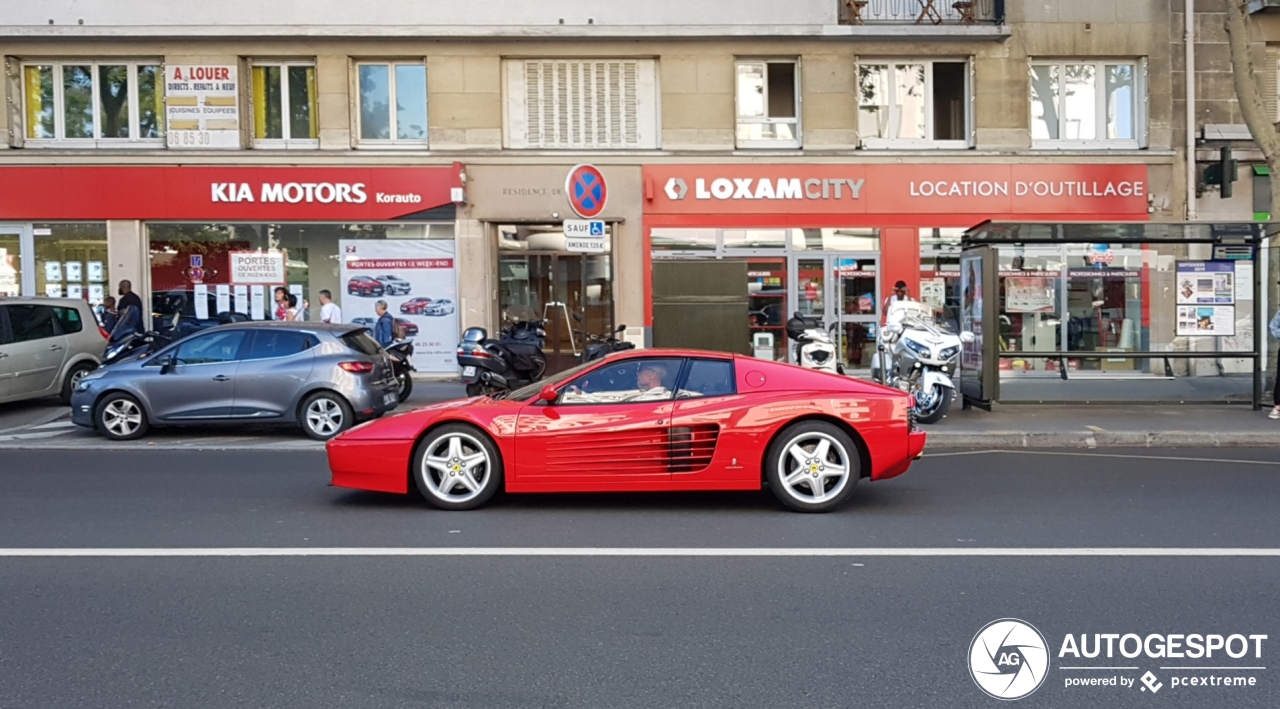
{"x":643,"y":420}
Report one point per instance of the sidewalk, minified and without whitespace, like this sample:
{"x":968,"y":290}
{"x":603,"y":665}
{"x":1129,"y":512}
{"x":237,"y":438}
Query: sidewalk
{"x":1090,"y":426}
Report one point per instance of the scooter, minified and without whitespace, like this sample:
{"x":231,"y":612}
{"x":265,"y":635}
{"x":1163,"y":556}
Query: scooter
{"x":401,"y":354}
{"x":514,"y":360}
{"x":598,"y":346}
{"x":917,"y":356}
{"x":814,"y":347}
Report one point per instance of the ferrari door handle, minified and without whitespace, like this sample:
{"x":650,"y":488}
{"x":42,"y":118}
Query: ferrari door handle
{"x":3,"y":355}
{"x":222,"y":378}
{"x":54,"y":348}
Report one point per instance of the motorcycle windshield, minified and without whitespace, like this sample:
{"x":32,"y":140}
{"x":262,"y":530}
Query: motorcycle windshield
{"x":129,"y":323}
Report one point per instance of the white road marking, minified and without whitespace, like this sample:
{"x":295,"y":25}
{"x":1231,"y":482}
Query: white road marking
{"x":1029,"y":451}
{"x":642,"y":552}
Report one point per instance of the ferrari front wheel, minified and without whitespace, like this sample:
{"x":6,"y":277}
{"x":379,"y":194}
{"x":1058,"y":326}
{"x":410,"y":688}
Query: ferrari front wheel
{"x":456,"y":467}
{"x":812,"y":466}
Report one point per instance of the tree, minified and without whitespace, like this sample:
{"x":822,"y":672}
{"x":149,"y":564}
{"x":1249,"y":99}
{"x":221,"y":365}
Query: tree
{"x":1249,"y":93}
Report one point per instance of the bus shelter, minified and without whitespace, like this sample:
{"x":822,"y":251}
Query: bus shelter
{"x":1119,"y":305}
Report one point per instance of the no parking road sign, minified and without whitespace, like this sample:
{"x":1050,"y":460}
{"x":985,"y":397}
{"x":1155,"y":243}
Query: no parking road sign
{"x":586,"y":190}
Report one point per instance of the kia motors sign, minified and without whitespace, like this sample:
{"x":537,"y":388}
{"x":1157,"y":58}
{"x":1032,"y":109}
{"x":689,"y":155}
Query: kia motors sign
{"x":223,"y":193}
{"x":1099,"y":191}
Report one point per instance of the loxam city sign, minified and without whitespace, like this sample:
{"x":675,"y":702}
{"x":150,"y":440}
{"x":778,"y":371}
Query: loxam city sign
{"x":1099,"y":191}
{"x":778,"y":188}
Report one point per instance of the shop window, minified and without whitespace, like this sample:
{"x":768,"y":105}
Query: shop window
{"x":924,"y":104}
{"x":1081,"y":105}
{"x":582,"y":104}
{"x":768,"y":100}
{"x":669,"y":240}
{"x":393,"y":104}
{"x":285,"y":105}
{"x":84,"y":103}
{"x":940,"y":274}
{"x":71,"y":261}
{"x":10,"y":264}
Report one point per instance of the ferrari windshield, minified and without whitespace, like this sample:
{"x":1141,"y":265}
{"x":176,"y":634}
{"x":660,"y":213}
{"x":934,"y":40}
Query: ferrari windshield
{"x":532,"y":390}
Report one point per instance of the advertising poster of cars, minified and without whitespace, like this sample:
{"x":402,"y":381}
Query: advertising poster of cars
{"x":417,"y":280}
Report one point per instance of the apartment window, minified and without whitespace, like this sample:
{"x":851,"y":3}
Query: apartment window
{"x":580,"y":104}
{"x":393,"y":104}
{"x":284,"y":105}
{"x":768,"y":103}
{"x":1088,"y":104}
{"x":84,"y":103}
{"x":922,"y":104}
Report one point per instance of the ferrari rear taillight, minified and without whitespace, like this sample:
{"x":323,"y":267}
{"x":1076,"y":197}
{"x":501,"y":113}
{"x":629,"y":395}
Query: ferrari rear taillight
{"x":357,"y":367}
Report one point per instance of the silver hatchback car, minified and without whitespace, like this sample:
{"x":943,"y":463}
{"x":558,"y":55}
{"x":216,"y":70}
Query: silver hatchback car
{"x":324,"y":378}
{"x":46,"y":346}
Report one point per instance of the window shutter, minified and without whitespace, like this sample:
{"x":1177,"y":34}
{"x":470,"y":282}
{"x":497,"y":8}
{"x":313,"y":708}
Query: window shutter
{"x":1269,"y":79}
{"x":581,"y":104}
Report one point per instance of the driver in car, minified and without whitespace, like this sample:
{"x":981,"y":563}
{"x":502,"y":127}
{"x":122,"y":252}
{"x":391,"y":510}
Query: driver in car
{"x":649,"y":387}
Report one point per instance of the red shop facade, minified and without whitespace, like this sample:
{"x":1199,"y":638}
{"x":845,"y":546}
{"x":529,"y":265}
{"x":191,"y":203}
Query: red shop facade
{"x":830,"y":241}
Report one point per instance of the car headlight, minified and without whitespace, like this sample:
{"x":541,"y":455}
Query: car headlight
{"x":919,"y":349}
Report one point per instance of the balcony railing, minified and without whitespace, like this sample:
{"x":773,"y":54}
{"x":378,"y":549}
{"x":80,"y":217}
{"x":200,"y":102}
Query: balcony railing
{"x":934,"y":12}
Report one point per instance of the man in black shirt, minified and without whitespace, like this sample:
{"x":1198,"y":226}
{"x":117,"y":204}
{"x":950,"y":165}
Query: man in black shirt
{"x":129,"y":299}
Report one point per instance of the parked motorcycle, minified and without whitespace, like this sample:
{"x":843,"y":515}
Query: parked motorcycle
{"x":917,"y":356}
{"x":598,"y":346}
{"x":814,"y":347}
{"x":128,"y":341}
{"x":513,"y":360}
{"x":401,"y":354}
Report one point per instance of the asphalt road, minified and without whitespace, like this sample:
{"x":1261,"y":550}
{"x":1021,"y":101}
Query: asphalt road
{"x":619,"y":631}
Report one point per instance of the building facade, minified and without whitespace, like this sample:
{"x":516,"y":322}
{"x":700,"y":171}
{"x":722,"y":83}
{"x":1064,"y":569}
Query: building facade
{"x":830,"y":148}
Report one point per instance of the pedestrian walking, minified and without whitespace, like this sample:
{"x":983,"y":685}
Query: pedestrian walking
{"x":329,"y":310}
{"x":296,"y":311}
{"x":282,"y":303}
{"x":108,"y":314}
{"x":1274,"y":329}
{"x":129,"y":299}
{"x":384,"y":331}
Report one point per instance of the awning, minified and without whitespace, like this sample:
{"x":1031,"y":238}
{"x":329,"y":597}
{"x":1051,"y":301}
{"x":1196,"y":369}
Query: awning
{"x":994,"y":232}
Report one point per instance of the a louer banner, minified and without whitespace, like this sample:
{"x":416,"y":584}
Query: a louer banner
{"x":417,"y":280}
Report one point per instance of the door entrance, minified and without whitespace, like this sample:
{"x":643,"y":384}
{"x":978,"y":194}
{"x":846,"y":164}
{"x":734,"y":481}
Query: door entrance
{"x":549,"y":282}
{"x":842,"y":291}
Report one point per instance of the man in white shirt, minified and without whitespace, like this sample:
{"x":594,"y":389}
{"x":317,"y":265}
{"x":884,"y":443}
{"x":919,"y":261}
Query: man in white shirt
{"x":900,"y":295}
{"x":329,"y":310}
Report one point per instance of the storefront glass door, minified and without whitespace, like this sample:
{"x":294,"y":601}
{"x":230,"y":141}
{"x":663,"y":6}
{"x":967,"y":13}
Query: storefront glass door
{"x":841,"y":291}
{"x":555,"y":286}
{"x":10,"y":261}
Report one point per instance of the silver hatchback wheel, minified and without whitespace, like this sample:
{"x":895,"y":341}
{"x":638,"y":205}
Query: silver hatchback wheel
{"x":325,"y":415}
{"x":457,"y":468}
{"x":122,"y":417}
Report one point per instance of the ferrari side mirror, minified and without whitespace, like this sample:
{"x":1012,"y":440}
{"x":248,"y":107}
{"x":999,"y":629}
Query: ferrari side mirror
{"x":548,"y":394}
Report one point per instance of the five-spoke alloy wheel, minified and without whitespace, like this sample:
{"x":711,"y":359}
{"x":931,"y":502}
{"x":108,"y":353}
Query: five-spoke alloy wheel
{"x":813,"y":466}
{"x":456,"y":467}
{"x":325,"y":414}
{"x":120,"y":417}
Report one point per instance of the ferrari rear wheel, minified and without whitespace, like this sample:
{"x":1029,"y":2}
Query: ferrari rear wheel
{"x":813,"y":466}
{"x":456,"y":467}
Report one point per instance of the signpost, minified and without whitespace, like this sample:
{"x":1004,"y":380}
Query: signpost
{"x":585,"y":235}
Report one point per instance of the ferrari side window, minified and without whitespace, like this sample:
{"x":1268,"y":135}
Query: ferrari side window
{"x":708,"y":377}
{"x":634,"y":380}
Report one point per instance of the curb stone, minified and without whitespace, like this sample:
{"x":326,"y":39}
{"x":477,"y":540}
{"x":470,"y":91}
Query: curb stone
{"x":1107,"y":439}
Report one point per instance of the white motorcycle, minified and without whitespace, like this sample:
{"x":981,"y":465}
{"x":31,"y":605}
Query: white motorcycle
{"x":814,"y":347}
{"x":917,"y":356}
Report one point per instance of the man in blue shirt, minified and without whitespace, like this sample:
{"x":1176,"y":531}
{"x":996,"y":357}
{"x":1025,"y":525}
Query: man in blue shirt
{"x":384,"y":330}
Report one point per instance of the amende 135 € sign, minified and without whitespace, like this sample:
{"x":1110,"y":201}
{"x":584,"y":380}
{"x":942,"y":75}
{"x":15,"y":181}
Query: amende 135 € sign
{"x":257,"y":267}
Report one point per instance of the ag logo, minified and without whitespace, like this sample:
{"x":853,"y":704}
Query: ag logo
{"x":1008,"y":659}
